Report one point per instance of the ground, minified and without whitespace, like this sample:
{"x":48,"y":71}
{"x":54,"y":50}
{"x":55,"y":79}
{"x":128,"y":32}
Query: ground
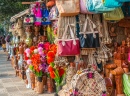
{"x":11,"y":85}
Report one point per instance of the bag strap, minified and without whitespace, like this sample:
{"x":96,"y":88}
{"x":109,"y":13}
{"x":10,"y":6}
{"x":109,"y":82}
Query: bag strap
{"x":71,"y":32}
{"x":91,"y":25}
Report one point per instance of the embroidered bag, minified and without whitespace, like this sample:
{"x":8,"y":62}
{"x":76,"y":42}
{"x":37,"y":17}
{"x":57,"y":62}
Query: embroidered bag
{"x":45,"y":15}
{"x":38,"y":14}
{"x":53,"y":15}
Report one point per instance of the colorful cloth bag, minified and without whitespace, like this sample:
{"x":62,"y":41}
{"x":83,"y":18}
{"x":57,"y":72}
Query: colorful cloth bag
{"x":38,"y":14}
{"x":45,"y":15}
{"x":123,"y":0}
{"x":112,"y":3}
{"x":117,"y":14}
{"x":68,"y":47}
{"x":53,"y":15}
{"x":89,"y":39}
{"x":97,"y":6}
{"x":28,"y":20}
{"x":68,"y":7}
{"x":83,"y":8}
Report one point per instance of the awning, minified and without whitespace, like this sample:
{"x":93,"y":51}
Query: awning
{"x":15,"y":17}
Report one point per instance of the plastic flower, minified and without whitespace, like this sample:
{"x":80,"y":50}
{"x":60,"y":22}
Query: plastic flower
{"x":29,"y":61}
{"x":52,"y":75}
{"x":46,"y":46}
{"x":40,"y":49}
{"x":50,"y":69}
{"x":51,"y":54}
{"x":36,"y":51}
{"x":61,"y":72}
{"x":41,"y":45}
{"x":50,"y":60}
{"x":25,"y":56}
{"x":27,"y":51}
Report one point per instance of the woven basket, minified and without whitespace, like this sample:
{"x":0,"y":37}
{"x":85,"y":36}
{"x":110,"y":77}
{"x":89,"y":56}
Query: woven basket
{"x":84,"y":85}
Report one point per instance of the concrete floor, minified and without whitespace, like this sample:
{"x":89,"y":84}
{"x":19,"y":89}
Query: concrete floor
{"x":11,"y":85}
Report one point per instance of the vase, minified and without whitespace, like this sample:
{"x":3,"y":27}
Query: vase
{"x":28,"y":40}
{"x":44,"y":82}
{"x":28,"y":85}
{"x":16,"y":41}
{"x":32,"y":78}
{"x":39,"y":88}
{"x":50,"y":85}
{"x":58,"y":88}
{"x":39,"y":79}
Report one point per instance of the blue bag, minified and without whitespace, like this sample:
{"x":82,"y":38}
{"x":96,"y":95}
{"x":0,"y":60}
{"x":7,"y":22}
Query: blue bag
{"x":97,"y":6}
{"x":112,"y":3}
{"x":45,"y":15}
{"x":123,"y":0}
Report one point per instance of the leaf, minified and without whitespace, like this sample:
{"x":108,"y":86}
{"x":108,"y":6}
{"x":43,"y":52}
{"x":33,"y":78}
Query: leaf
{"x":31,"y":67}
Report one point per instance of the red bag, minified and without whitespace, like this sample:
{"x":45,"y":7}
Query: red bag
{"x":68,"y":47}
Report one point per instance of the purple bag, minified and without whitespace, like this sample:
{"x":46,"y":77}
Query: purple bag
{"x":83,"y":8}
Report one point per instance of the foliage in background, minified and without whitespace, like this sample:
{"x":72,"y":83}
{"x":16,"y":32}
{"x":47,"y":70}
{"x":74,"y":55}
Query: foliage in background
{"x":8,"y":8}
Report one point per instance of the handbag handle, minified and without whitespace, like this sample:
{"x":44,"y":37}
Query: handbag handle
{"x":71,"y":34}
{"x":91,"y":25}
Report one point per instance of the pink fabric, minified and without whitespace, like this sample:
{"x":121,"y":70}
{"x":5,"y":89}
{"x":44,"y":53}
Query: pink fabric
{"x":83,"y":8}
{"x":69,"y":49}
{"x":38,"y":14}
{"x":128,"y":57}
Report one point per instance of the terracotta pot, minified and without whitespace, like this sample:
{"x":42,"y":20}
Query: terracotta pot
{"x":50,"y":3}
{"x":39,"y":79}
{"x":72,"y":64}
{"x":21,"y":49}
{"x":44,"y":38}
{"x":119,"y":84}
{"x":126,"y":70}
{"x":39,"y":87}
{"x":36,"y":28}
{"x":117,"y":71}
{"x":110,"y":66}
{"x":118,"y":63}
{"x":44,"y":80}
{"x":50,"y":85}
{"x":32,"y":77}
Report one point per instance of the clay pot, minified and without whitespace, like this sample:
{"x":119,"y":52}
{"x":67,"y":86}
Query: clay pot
{"x":72,"y":64}
{"x":21,"y":49}
{"x":50,"y":3}
{"x":118,"y":63}
{"x":117,"y":71}
{"x":44,"y":80}
{"x":44,"y":38}
{"x":50,"y":85}
{"x":28,"y":29}
{"x":119,"y":85}
{"x":32,"y":77}
{"x":39,"y":88}
{"x":36,"y":28}
{"x":39,"y":79}
{"x":110,"y":66}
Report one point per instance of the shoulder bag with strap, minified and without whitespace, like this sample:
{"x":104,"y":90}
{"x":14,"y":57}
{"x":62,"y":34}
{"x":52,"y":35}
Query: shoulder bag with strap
{"x":68,"y":47}
{"x":89,"y":39}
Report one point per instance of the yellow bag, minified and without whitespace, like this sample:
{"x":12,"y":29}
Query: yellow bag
{"x":68,"y":7}
{"x":117,"y":14}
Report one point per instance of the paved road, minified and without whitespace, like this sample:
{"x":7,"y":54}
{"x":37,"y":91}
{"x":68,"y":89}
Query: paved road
{"x":11,"y":85}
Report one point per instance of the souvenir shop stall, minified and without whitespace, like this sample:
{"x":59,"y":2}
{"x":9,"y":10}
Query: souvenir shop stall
{"x":73,"y":47}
